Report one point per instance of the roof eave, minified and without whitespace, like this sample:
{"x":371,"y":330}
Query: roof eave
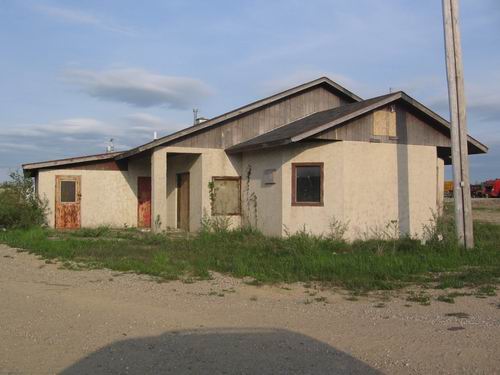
{"x":256,"y":147}
{"x":480,"y":146}
{"x":69,"y":161}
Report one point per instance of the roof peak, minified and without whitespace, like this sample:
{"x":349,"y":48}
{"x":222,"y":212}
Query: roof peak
{"x":244,"y":109}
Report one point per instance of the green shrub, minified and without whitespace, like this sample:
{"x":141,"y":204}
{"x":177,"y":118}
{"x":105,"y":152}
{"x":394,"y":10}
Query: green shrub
{"x":19,"y":205}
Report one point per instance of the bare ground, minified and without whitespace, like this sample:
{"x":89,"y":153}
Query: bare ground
{"x":483,"y":209}
{"x":101,"y":322}
{"x":486,"y":210}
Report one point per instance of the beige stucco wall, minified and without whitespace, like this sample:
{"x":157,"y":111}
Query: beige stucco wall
{"x":108,"y":197}
{"x":388,"y":182}
{"x":440,"y":186}
{"x":366,"y":185}
{"x":268,"y":196}
{"x":217,"y":163}
{"x":202,"y":164}
{"x":311,"y":218}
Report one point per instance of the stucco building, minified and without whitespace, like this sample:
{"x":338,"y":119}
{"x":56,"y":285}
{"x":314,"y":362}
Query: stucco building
{"x":299,"y":159}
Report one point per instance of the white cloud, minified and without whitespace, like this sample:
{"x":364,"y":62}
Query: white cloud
{"x":25,"y":143}
{"x":145,"y":119}
{"x":18,"y":146}
{"x":139,"y":87}
{"x":72,"y":126}
{"x":84,"y":18}
{"x":80,"y":135}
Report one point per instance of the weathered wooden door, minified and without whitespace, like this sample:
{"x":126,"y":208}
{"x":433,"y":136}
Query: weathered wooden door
{"x":183,"y":201}
{"x":68,"y":197}
{"x":144,"y":202}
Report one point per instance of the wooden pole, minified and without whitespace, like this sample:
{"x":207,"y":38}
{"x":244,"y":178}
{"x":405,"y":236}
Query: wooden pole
{"x":459,"y":152}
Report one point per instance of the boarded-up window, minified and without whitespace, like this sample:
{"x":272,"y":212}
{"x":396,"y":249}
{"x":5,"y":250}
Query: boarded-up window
{"x":68,"y":191}
{"x":307,"y":184}
{"x":384,"y":122}
{"x":227,"y":196}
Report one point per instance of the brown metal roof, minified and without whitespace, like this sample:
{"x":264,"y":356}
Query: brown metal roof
{"x":321,"y":121}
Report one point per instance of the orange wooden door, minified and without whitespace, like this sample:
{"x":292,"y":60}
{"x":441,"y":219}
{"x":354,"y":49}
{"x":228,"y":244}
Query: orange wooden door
{"x":183,"y":201}
{"x":68,"y":198}
{"x":144,"y":202}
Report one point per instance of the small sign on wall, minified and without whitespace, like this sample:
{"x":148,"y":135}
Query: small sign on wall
{"x":268,"y":178}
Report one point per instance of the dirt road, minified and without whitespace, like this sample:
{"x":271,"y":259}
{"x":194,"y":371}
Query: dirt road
{"x":101,"y":322}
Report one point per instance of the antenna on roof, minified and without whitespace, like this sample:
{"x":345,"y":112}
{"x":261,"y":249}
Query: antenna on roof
{"x":195,"y":116}
{"x":197,"y":120}
{"x":110,"y":147}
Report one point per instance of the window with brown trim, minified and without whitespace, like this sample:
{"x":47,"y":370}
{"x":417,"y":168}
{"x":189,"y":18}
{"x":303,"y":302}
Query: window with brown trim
{"x":226,"y":195}
{"x":307,"y":184}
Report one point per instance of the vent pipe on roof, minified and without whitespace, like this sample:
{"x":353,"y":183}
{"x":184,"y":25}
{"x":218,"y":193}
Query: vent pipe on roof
{"x":197,"y":120}
{"x":110,"y":147}
{"x":155,"y":135}
{"x":195,"y":116}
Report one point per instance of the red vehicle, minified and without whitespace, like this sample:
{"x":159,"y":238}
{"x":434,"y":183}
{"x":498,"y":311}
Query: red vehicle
{"x":491,"y":188}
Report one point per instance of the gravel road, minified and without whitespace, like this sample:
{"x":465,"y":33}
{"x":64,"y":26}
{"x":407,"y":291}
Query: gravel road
{"x":54,"y":320}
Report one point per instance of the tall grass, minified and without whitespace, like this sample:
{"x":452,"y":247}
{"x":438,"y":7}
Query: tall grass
{"x":367,"y":265}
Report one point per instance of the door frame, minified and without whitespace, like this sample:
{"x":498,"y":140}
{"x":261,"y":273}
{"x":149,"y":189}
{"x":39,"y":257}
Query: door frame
{"x":139,"y":178}
{"x":78,"y":197}
{"x":178,"y":180}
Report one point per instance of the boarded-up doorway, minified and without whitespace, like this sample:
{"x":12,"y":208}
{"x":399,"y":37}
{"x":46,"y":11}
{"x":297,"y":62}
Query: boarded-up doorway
{"x":68,"y":197}
{"x":183,"y":201}
{"x":144,"y":202}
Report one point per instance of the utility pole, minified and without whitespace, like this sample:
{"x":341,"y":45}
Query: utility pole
{"x":459,"y":154}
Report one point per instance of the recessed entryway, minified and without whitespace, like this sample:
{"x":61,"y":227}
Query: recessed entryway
{"x":183,"y":201}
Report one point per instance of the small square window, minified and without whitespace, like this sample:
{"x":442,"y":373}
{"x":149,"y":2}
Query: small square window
{"x":68,"y":191}
{"x":307,"y":184}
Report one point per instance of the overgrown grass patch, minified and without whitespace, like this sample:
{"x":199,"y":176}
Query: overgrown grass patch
{"x":450,"y":297}
{"x":486,"y":291}
{"x":358,"y":266}
{"x":420,"y":297}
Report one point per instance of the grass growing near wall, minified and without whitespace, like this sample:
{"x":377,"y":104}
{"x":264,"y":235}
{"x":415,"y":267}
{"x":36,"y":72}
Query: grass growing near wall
{"x":362,"y":265}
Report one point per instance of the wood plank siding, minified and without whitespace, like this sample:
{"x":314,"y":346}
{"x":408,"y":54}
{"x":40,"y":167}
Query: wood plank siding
{"x":410,"y":129}
{"x":263,"y":120}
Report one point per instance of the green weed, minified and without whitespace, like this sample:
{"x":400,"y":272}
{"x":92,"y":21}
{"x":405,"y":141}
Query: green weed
{"x":450,"y":297}
{"x":359,"y":266}
{"x":421,"y":298}
{"x":486,"y":291}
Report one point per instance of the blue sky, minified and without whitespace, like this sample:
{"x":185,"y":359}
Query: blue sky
{"x":74,"y":74}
